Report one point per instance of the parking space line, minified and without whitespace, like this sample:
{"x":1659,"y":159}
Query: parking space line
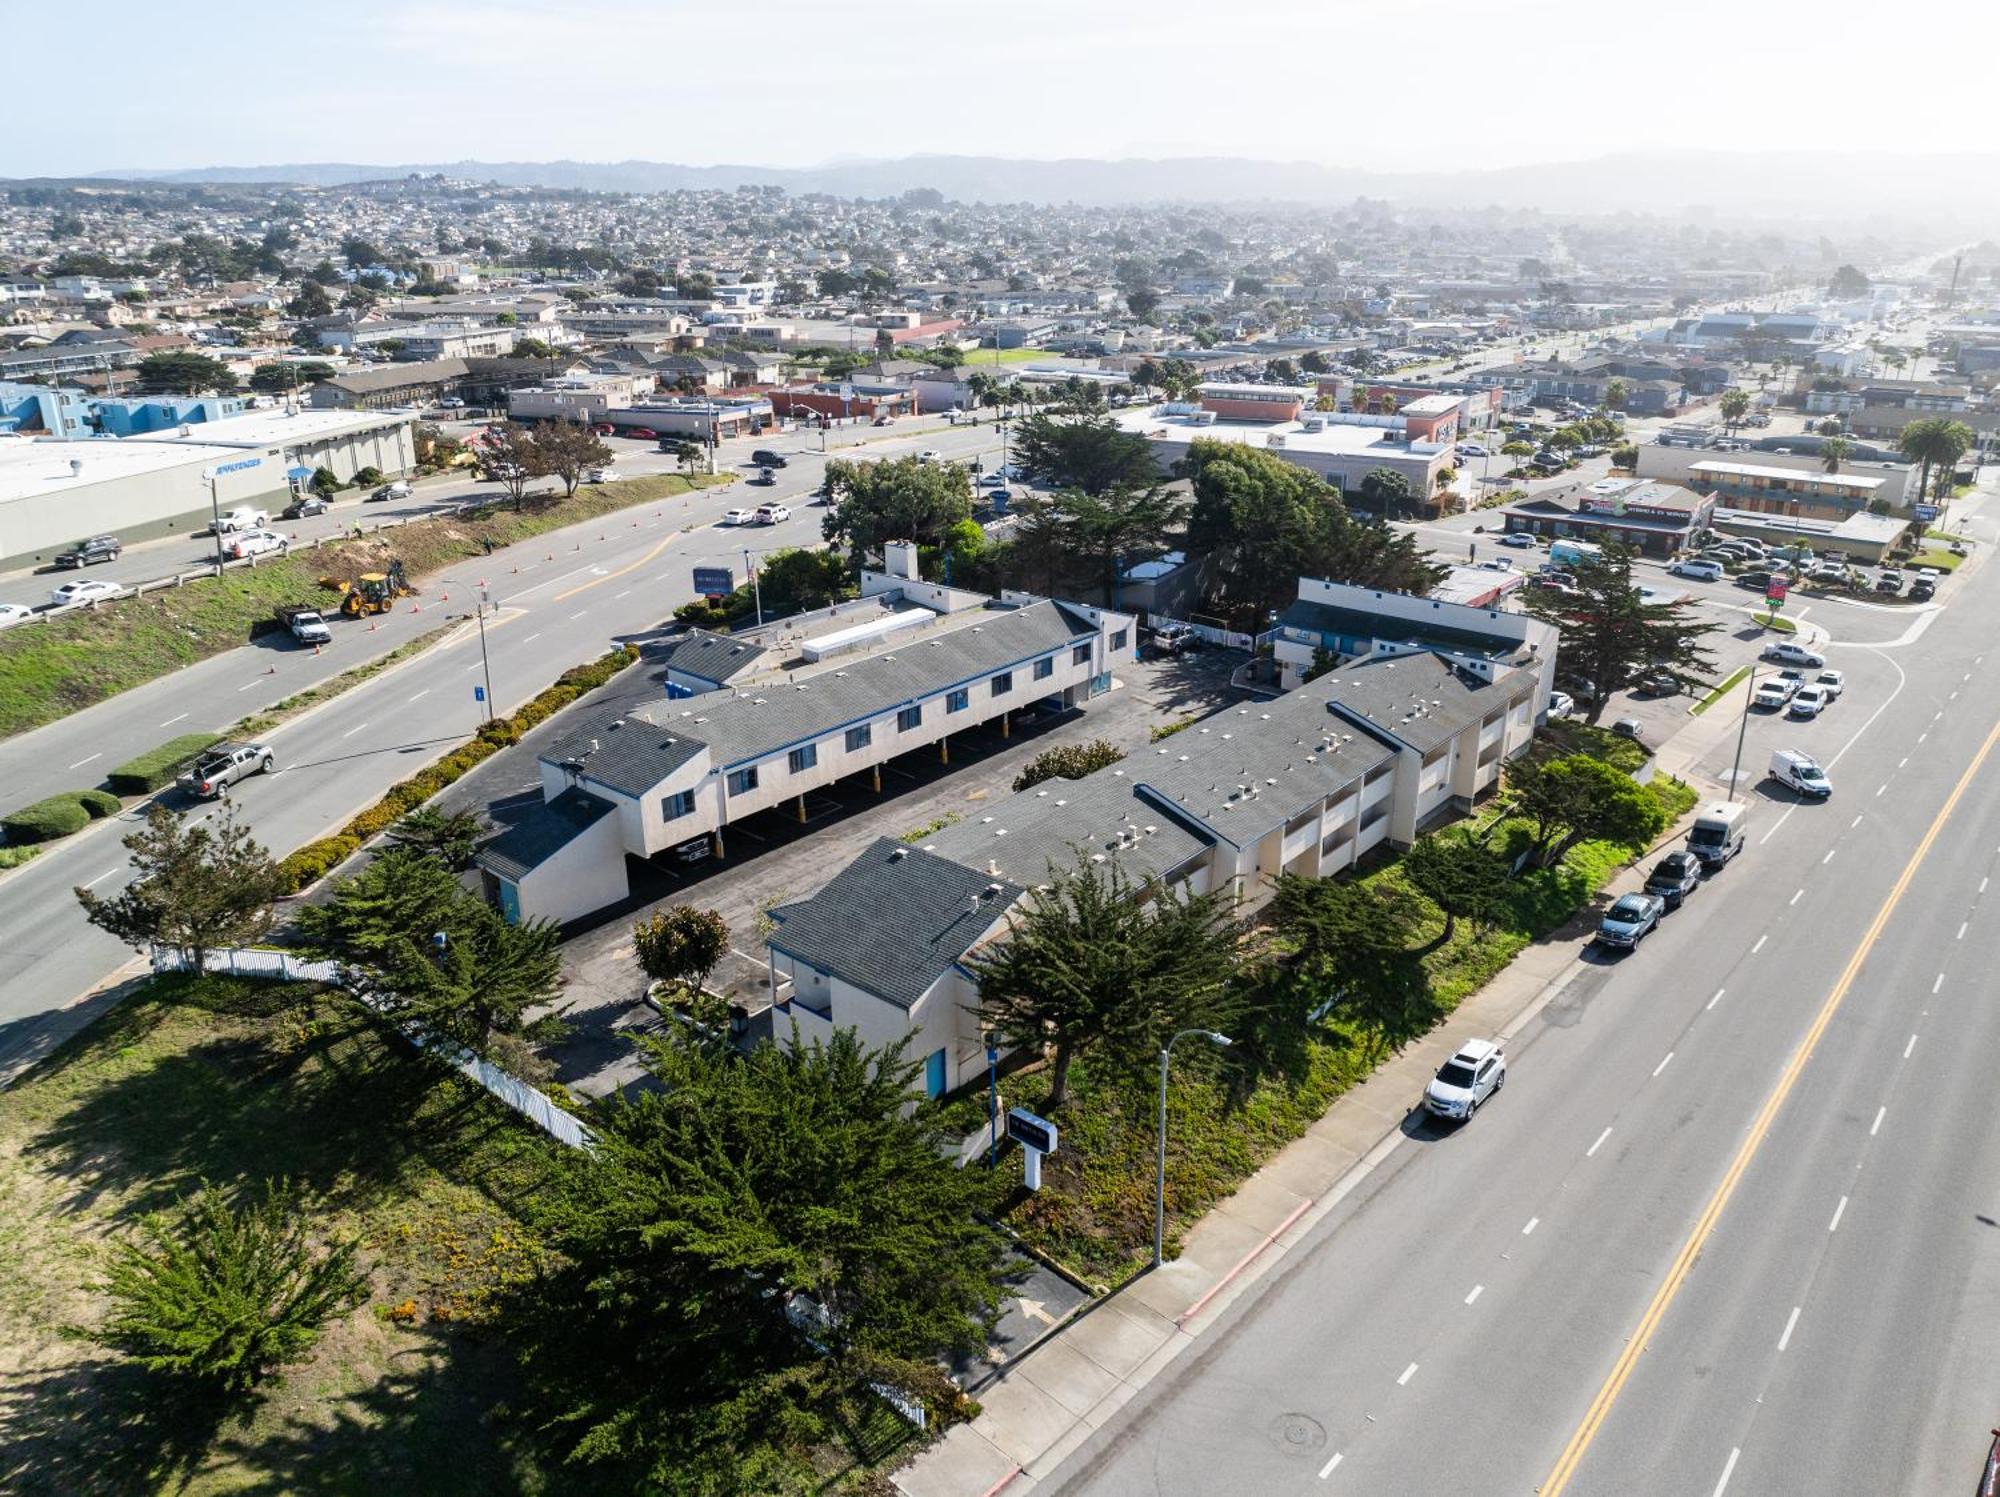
{"x":1838,"y":1212}
{"x":1791,"y":1322}
{"x":1599,"y":1144}
{"x":1327,"y":1470}
{"x":172,"y":720}
{"x":1477,"y":1290}
{"x":1663,"y":1064}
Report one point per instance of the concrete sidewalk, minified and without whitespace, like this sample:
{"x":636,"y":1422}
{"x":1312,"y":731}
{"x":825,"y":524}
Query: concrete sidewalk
{"x":1038,"y":1412}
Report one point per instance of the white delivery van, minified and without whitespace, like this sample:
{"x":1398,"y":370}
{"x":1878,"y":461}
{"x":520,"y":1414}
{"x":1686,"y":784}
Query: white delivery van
{"x":1717,"y":835}
{"x":1800,"y":772}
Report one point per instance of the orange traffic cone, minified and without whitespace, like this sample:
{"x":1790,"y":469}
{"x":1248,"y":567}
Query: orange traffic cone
{"x":416,"y":608}
{"x":271,"y":670}
{"x":315,"y":649}
{"x":371,"y":626}
{"x":444,"y":597}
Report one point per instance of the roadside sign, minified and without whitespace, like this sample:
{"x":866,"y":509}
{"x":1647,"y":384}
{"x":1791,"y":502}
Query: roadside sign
{"x":1925,"y":512}
{"x":1031,"y":1132}
{"x":479,"y":693}
{"x":1775,"y":591}
{"x":714,"y":582}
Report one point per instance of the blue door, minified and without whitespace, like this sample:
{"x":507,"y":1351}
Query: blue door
{"x":510,"y":901}
{"x":934,"y":1074}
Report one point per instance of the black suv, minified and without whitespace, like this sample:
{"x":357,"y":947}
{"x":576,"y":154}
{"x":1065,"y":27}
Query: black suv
{"x":763,"y":457}
{"x":89,"y":553}
{"x":1674,"y":877}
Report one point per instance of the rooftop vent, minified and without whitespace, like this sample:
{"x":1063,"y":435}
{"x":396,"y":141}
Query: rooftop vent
{"x":898,"y":854}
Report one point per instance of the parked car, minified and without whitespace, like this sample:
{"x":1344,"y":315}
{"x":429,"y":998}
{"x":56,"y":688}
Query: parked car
{"x":222,"y":766}
{"x":1175,"y":639}
{"x":394,"y":490}
{"x":241,"y":519}
{"x":85,"y":592}
{"x":739,"y":517}
{"x":1657,"y":684}
{"x":1700,"y":571}
{"x":89,"y":553}
{"x":1471,"y":449}
{"x":1468,"y":1079}
{"x":772,"y":514}
{"x":991,"y":480}
{"x":1787,"y":653}
{"x":1520,"y":540}
{"x":601,"y":475}
{"x":641,"y":433}
{"x":1775,"y":693}
{"x":1922,"y":591}
{"x":1561,"y":704}
{"x":303,"y":506}
{"x":1630,"y":727}
{"x":1832,"y":682}
{"x":929,"y":455}
{"x":452,"y":403}
{"x":1674,"y":877}
{"x":1630,"y":920}
{"x":256,"y":543}
{"x":764,"y":457}
{"x":14,"y":613}
{"x":603,"y":429}
{"x":1808,"y":702}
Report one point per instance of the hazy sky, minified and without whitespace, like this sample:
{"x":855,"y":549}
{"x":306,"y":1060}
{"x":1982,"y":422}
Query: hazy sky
{"x":1439,"y":84}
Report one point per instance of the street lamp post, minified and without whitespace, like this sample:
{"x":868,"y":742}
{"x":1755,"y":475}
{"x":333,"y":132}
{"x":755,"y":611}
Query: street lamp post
{"x":215,"y":518}
{"x":756,"y":585}
{"x":485,"y":666}
{"x":1160,"y":1175}
{"x":1742,"y":728}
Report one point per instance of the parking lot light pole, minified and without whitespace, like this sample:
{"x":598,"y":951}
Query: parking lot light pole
{"x":1160,"y":1176}
{"x":485,"y":666}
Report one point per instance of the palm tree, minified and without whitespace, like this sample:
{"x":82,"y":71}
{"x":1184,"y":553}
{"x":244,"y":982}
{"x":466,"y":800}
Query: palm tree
{"x":1734,"y":405}
{"x":1935,"y":441}
{"x":1832,"y":451}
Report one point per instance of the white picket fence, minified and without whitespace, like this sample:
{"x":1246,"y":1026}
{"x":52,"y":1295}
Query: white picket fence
{"x":534,"y":1105}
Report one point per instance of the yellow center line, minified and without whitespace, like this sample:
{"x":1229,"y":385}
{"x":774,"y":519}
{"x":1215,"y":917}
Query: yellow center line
{"x":1607,"y":1395}
{"x":584,"y":587}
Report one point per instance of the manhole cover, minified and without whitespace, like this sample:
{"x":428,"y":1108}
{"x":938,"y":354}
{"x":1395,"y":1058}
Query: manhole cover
{"x":1297,"y":1434}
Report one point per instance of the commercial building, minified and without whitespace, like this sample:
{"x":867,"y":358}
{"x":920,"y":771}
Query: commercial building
{"x":1340,"y":622}
{"x":141,"y":415}
{"x":575,"y":397}
{"x":1343,"y":449}
{"x":914,"y":664}
{"x":1265,"y":405}
{"x":1655,"y":519}
{"x":846,"y":398}
{"x":478,"y":382}
{"x":1800,"y":454}
{"x":1786,"y":491}
{"x":44,"y":410}
{"x":1372,"y":753}
{"x":53,"y":491}
{"x":703,"y":420}
{"x":1861,"y":537}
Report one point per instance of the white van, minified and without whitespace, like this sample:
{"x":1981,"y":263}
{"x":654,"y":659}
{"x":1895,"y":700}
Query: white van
{"x":1717,"y":835}
{"x":1800,"y":772}
{"x":1701,"y":571}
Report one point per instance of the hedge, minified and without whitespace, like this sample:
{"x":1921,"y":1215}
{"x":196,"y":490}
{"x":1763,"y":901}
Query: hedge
{"x":47,"y":820}
{"x":99,"y":803}
{"x":155,"y":769}
{"x":315,"y":860}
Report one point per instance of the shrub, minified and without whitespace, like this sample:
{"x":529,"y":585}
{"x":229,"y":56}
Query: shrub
{"x":155,"y":769}
{"x":222,"y":1297}
{"x":99,"y":803}
{"x":1067,"y":761}
{"x":366,"y":476}
{"x":47,"y":820}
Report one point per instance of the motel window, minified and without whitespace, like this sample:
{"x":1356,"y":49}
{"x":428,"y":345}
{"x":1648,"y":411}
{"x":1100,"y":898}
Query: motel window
{"x":861,"y":737}
{"x":957,"y":701}
{"x":1003,"y":683}
{"x":1080,"y":655}
{"x":909,"y":719}
{"x":742,"y":781}
{"x":1045,"y":668}
{"x":803,"y":758}
{"x":677,"y":805}
{"x":1118,"y":640}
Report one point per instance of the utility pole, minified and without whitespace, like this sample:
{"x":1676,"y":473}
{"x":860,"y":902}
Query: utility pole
{"x":756,"y":585}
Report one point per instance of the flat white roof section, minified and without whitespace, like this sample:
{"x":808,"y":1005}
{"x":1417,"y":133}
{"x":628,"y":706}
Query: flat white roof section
{"x":30,"y":468}
{"x":1790,"y":475}
{"x":856,"y":636}
{"x":274,"y":428}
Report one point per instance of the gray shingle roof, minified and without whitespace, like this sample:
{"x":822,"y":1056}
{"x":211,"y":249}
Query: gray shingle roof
{"x":1419,"y":700}
{"x":396,"y":376}
{"x":893,"y":921}
{"x":742,"y":725}
{"x":1035,"y":830}
{"x":714,"y":657}
{"x":545,"y":830}
{"x":1290,"y":754}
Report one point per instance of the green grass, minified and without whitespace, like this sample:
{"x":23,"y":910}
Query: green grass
{"x":1775,"y":621}
{"x":1944,"y":561}
{"x":48,"y":671}
{"x":1947,"y":536}
{"x":986,"y":358}
{"x":1728,"y":685}
{"x":1094,"y":1211}
{"x":233,"y":1084}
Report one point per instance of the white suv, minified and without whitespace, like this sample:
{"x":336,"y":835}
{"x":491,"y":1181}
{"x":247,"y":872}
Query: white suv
{"x":1462,"y":1083}
{"x":1791,"y":654}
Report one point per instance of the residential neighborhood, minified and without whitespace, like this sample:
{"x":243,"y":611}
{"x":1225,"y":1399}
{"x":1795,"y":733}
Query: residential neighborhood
{"x":998,"y":813}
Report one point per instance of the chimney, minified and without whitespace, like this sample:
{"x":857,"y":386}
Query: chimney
{"x":899,"y":559}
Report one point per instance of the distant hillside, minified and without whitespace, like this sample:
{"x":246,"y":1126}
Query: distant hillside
{"x":1760,"y":185}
